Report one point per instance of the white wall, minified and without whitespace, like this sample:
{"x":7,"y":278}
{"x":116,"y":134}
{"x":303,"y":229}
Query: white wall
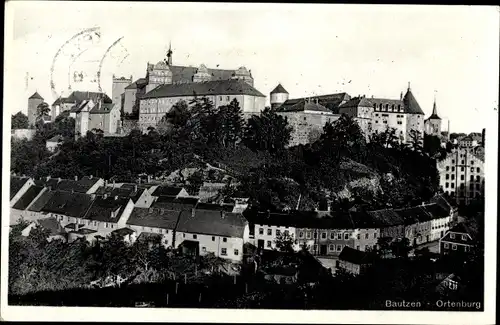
{"x":214,"y":244}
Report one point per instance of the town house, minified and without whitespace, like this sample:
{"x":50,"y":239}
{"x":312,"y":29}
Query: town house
{"x":18,"y":186}
{"x":152,"y":223}
{"x":354,"y":261}
{"x":201,"y":232}
{"x":457,"y":240}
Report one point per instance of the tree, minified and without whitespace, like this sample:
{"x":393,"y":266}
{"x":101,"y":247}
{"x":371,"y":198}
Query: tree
{"x":432,"y":145}
{"x":19,"y":121}
{"x":231,"y":122}
{"x":267,"y":132}
{"x":42,"y":111}
{"x":416,"y":141}
{"x":284,"y":242}
{"x":195,"y":181}
{"x":401,"y":248}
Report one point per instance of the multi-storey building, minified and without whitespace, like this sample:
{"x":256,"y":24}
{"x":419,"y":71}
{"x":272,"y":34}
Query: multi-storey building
{"x":156,"y":103}
{"x":308,"y":115}
{"x":461,"y":174}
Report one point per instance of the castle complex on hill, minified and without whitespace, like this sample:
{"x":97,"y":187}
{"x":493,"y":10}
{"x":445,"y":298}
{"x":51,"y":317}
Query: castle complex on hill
{"x":308,"y":115}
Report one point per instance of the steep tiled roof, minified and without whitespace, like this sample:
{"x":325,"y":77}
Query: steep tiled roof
{"x":102,"y":109}
{"x":413,"y":214}
{"x":386,"y":217}
{"x":106,"y":209}
{"x":28,"y":197}
{"x":123,"y":192}
{"x":16,"y":183}
{"x":355,"y":256}
{"x":36,"y":95}
{"x":51,"y":182}
{"x":55,"y":138}
{"x":459,"y":230}
{"x":331,"y":102}
{"x":279,"y":90}
{"x":139,"y":83}
{"x":357,"y":102}
{"x":186,"y":74}
{"x":80,"y":186}
{"x":171,"y":203}
{"x":211,"y":222}
{"x":167,"y":191}
{"x":38,"y":205}
{"x":154,"y":217}
{"x":69,"y":204}
{"x":79,"y":96}
{"x":214,"y":207}
{"x":218,"y":87}
{"x":411,"y":104}
{"x":436,"y":211}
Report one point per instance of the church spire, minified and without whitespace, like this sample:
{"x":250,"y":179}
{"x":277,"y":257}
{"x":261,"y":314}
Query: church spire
{"x":434,"y":114}
{"x":169,"y":54}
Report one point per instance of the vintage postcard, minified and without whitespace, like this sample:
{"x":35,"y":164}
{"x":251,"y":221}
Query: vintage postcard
{"x":230,"y":162}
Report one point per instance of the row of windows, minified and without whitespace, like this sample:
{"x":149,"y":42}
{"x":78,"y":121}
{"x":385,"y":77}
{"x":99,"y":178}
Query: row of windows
{"x":387,"y":107}
{"x":453,"y":246}
{"x":223,"y":251}
{"x":224,"y":239}
{"x":478,"y":170}
{"x":270,"y":231}
{"x":462,"y":186}
{"x":452,"y":236}
{"x":333,"y":235}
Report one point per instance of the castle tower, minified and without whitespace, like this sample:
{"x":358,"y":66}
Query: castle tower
{"x":433,"y":123}
{"x":414,"y":115}
{"x":278,"y":96}
{"x":158,"y":74}
{"x":119,"y":85}
{"x":169,"y":54}
{"x":202,"y":74}
{"x":33,"y":102}
{"x":244,"y":74}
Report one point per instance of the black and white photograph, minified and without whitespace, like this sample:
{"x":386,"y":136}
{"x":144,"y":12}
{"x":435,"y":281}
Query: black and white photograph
{"x":228,"y":162}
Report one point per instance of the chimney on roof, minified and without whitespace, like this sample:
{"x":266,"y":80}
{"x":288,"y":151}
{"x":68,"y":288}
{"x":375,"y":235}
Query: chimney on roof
{"x":105,"y":196}
{"x":76,"y":178}
{"x":112,"y":214}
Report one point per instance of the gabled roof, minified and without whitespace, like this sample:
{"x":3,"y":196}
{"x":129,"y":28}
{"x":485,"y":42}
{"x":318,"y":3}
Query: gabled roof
{"x":69,"y":204}
{"x":279,"y":90}
{"x":80,"y":186}
{"x":331,"y":102}
{"x":459,"y":230}
{"x":211,"y":222}
{"x":123,"y":231}
{"x":355,"y":256}
{"x":122,"y":192}
{"x":36,"y":95}
{"x":217,"y":87}
{"x":411,"y":104}
{"x":16,"y":183}
{"x":40,"y":203}
{"x":102,"y":109}
{"x":167,"y":191}
{"x":154,"y":217}
{"x":106,"y":209}
{"x":55,"y":138}
{"x":28,"y":197}
{"x":172,"y":203}
{"x":434,"y":115}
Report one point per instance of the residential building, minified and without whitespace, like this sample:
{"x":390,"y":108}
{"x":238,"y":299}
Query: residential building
{"x":157,"y":102}
{"x":461,"y":174}
{"x":118,"y":91}
{"x":33,"y":102}
{"x":55,"y":230}
{"x":170,"y":191}
{"x":140,"y":196}
{"x":67,"y":207}
{"x":73,"y":101}
{"x":53,"y":143}
{"x":201,"y":232}
{"x":105,"y":117}
{"x":354,"y":261}
{"x":20,"y":209}
{"x":457,"y":240}
{"x":156,"y":221}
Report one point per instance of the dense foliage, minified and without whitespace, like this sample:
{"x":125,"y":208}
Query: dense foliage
{"x":19,"y":121}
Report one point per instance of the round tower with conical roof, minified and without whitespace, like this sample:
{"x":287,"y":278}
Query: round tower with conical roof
{"x":414,"y":116}
{"x":433,"y":123}
{"x":278,"y":96}
{"x":33,"y":102}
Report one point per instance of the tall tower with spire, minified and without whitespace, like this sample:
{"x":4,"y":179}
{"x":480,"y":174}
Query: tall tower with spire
{"x":433,"y":122}
{"x":169,"y":54}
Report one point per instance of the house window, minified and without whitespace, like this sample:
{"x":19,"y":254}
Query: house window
{"x":452,"y":177}
{"x":278,"y":232}
{"x":323,"y":235}
{"x":374,"y":235}
{"x":223,"y":251}
{"x":261,"y":231}
{"x":452,"y":236}
{"x":332,"y":235}
{"x":359,"y":236}
{"x":220,"y":98}
{"x":452,"y":185}
{"x":315,"y":235}
{"x":463,"y":162}
{"x":339,"y":248}
{"x":478,"y":178}
{"x":366,"y":236}
{"x":447,"y":168}
{"x":472,"y":169}
{"x":462,"y":177}
{"x":478,"y":170}
{"x":331,"y":248}
{"x":204,"y":249}
{"x":462,"y":169}
{"x":183,"y":235}
{"x":446,"y":245}
{"x":357,"y":247}
{"x":301,"y":234}
{"x":452,"y":169}
{"x":236,"y":252}
{"x":195,"y":236}
{"x":454,"y":247}
{"x":346,"y":236}
{"x":339,"y":236}
{"x":269,"y":232}
{"x":308,"y":235}
{"x":224,"y":240}
{"x":446,"y":185}
{"x":453,"y":161}
{"x":227,"y":98}
{"x":268,"y":243}
{"x":472,"y":162}
{"x":464,"y":237}
{"x":447,"y":176}
{"x":213,"y":238}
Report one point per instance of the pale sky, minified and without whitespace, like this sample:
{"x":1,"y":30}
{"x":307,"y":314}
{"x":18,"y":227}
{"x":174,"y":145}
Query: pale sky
{"x":309,"y":48}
